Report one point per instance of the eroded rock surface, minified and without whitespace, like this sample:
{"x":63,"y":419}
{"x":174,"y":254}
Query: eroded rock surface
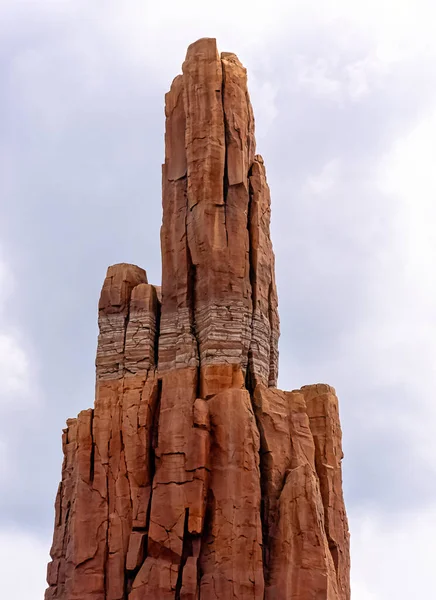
{"x":193,"y":477}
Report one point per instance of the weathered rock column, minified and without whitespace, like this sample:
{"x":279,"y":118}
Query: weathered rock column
{"x":194,"y":477}
{"x":102,"y":502}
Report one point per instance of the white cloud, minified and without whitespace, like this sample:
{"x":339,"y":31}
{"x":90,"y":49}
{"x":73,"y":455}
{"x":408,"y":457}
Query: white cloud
{"x":393,"y":342}
{"x":18,"y":390}
{"x":402,"y":311}
{"x":15,"y":368}
{"x":6,"y":284}
{"x":393,"y":558}
{"x":23,"y":556}
{"x":5,"y":469}
{"x":314,"y":75}
{"x":334,"y":76}
{"x":23,"y":563}
{"x":263,"y":96}
{"x":325,"y":180}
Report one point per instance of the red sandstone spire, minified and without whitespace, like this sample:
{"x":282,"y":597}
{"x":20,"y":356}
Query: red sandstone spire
{"x":196,"y":477}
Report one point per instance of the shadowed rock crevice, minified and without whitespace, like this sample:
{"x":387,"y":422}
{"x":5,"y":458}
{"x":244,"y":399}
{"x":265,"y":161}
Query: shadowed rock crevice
{"x":186,"y":552}
{"x":194,"y":477}
{"x":191,"y":300}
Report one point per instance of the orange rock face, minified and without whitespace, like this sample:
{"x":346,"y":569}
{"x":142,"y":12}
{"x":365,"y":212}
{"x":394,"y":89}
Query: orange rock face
{"x":193,"y":477}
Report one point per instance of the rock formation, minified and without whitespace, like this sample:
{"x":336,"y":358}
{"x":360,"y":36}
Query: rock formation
{"x":193,"y":477}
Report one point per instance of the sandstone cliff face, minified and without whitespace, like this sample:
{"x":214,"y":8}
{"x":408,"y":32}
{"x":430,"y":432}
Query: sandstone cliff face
{"x":193,"y":477}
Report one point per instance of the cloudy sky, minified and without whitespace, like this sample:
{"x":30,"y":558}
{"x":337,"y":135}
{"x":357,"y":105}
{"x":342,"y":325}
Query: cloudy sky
{"x":344,"y":94}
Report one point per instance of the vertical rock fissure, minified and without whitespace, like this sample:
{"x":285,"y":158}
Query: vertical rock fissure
{"x":153,"y":444}
{"x":272,"y":358}
{"x":191,"y":296}
{"x":206,"y":536}
{"x":157,"y":334}
{"x":226,"y":176}
{"x":192,"y":303}
{"x":126,"y":323}
{"x":250,"y":376}
{"x":67,"y":516}
{"x":58,"y":517}
{"x":186,"y":551}
{"x":263,"y":454}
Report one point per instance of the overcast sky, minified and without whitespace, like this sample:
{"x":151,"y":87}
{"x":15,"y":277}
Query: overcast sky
{"x":344,"y":95}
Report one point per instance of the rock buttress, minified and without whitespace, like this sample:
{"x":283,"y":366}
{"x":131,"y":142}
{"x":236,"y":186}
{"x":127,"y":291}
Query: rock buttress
{"x":193,"y":477}
{"x":102,"y":501}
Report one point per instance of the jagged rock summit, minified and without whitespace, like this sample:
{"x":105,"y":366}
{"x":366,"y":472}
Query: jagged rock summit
{"x":193,"y":477}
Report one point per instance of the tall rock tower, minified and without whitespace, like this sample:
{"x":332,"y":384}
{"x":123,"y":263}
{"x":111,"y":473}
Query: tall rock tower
{"x":194,"y":477}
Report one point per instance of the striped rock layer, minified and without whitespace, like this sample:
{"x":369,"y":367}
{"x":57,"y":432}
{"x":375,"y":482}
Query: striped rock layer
{"x":194,"y":477}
